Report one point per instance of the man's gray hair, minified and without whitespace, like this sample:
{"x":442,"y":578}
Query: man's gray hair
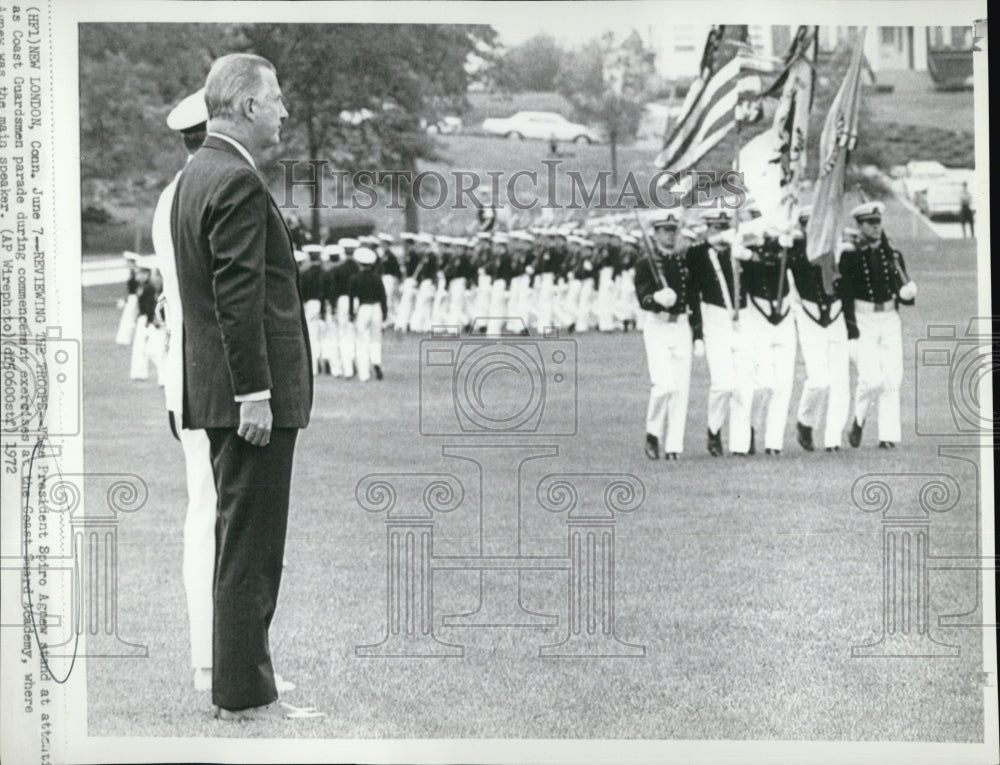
{"x":232,"y":79}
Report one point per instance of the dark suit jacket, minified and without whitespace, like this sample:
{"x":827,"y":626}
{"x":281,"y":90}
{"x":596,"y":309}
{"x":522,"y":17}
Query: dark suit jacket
{"x":244,"y":329}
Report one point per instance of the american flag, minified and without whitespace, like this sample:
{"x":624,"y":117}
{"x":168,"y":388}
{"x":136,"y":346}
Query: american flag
{"x":727,"y":86}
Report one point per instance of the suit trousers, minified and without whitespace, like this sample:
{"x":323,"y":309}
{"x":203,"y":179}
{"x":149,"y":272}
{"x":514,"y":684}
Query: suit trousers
{"x":729,"y":352}
{"x":199,"y":542}
{"x":253,"y":485}
{"x":880,"y":372}
{"x":824,"y":351}
{"x":668,"y":354}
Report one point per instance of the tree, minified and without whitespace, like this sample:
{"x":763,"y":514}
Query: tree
{"x":609,"y":85}
{"x":533,"y":65}
{"x":402,"y":77}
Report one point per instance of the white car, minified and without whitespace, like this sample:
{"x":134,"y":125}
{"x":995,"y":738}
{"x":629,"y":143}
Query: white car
{"x":920,"y":175}
{"x":544,"y":125}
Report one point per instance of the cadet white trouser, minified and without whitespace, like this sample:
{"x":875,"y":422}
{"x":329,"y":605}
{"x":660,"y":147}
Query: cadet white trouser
{"x":546,"y":290}
{"x":517,"y":303}
{"x":329,"y":342}
{"x":606,"y":299}
{"x":314,"y":325}
{"x":774,"y":373}
{"x":668,"y":354}
{"x":368,"y":323}
{"x":420,"y":320}
{"x":390,"y":282}
{"x":824,"y":351}
{"x":729,"y":352}
{"x":440,"y":310}
{"x":627,"y":308}
{"x":584,"y":305}
{"x":149,"y":346}
{"x":126,"y":325}
{"x":407,"y":297}
{"x":498,"y":308}
{"x":199,"y":542}
{"x":345,"y":335}
{"x":880,"y":369}
{"x":484,"y":296}
{"x":457,"y":309}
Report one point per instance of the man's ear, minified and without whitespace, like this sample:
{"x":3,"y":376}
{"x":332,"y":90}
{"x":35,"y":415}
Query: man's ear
{"x":249,"y":107}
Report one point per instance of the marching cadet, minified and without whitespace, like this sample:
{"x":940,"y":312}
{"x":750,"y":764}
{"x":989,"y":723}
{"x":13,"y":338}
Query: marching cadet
{"x":388,"y":268}
{"x":367,"y":305}
{"x":339,"y":296}
{"x":823,"y":339}
{"x":439,"y":304}
{"x":329,"y":337}
{"x":412,"y":254}
{"x":146,"y":343}
{"x":728,"y":348}
{"x":425,"y":277}
{"x":461,"y":276}
{"x":587,"y":274}
{"x":130,"y":307}
{"x":546,"y":267}
{"x":772,"y":332}
{"x":520,"y":283}
{"x":671,"y":331}
{"x":873,"y":284}
{"x":311,"y":290}
{"x":501,"y":272}
{"x":607,"y":252}
{"x":626,"y":302}
{"x":482,"y":261}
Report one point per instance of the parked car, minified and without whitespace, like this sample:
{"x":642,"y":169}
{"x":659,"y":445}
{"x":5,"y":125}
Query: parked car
{"x":919,"y":175}
{"x":544,"y":125}
{"x":446,"y":125}
{"x":943,"y":196}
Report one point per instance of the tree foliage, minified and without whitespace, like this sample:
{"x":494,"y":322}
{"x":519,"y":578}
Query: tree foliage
{"x":534,"y":65}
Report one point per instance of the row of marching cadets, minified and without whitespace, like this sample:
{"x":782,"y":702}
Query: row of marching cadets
{"x":748,"y":335}
{"x":141,"y":326}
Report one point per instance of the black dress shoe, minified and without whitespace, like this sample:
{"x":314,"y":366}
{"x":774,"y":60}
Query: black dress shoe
{"x":715,"y":443}
{"x":670,"y":456}
{"x":886,"y":445}
{"x":378,"y":371}
{"x":772,"y":452}
{"x":753,"y":442}
{"x":652,"y":447}
{"x":854,"y":437}
{"x":805,"y":434}
{"x":833,"y":448}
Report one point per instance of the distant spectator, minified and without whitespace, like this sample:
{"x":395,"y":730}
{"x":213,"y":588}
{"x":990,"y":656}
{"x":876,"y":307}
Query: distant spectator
{"x":965,"y":214}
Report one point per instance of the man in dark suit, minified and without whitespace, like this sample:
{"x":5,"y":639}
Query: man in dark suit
{"x":247,"y":366}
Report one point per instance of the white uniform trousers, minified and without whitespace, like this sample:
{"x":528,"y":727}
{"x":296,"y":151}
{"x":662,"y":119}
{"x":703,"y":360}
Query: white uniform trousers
{"x":880,"y":370}
{"x":440,"y":309}
{"x":126,"y":324}
{"x":390,"y":282}
{"x":824,"y":351}
{"x":729,"y":352}
{"x":199,"y":542}
{"x":368,"y":323}
{"x":407,"y":299}
{"x":330,"y":344}
{"x":627,"y":301}
{"x":774,"y":374}
{"x":668,"y":354}
{"x":585,"y":304}
{"x":498,"y":308}
{"x":517,"y":303}
{"x":567,"y":306}
{"x":606,"y":299}
{"x":545,"y":297}
{"x":457,"y":309}
{"x":484,"y":296}
{"x":420,"y":320}
{"x":345,"y":335}
{"x":148,"y":347}
{"x":314,"y":325}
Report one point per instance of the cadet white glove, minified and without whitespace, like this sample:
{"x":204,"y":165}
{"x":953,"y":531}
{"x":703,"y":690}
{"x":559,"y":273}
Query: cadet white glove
{"x":722,"y":239}
{"x":741,"y":253}
{"x":699,"y":349}
{"x":908,"y":291}
{"x":666,"y":297}
{"x":786,"y":240}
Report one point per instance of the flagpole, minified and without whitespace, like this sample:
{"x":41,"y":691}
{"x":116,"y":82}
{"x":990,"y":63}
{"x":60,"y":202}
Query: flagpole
{"x":734,"y":261}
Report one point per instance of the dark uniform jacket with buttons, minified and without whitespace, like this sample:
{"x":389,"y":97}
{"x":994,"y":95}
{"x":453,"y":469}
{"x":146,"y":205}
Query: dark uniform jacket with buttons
{"x":872,"y":272}
{"x":762,"y":276}
{"x":676,"y":272}
{"x":809,"y":284}
{"x":704,"y":278}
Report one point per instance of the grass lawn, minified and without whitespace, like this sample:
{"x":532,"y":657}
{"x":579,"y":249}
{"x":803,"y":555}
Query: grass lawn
{"x":747,"y":580}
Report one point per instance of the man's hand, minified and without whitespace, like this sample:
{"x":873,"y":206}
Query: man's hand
{"x":255,"y":422}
